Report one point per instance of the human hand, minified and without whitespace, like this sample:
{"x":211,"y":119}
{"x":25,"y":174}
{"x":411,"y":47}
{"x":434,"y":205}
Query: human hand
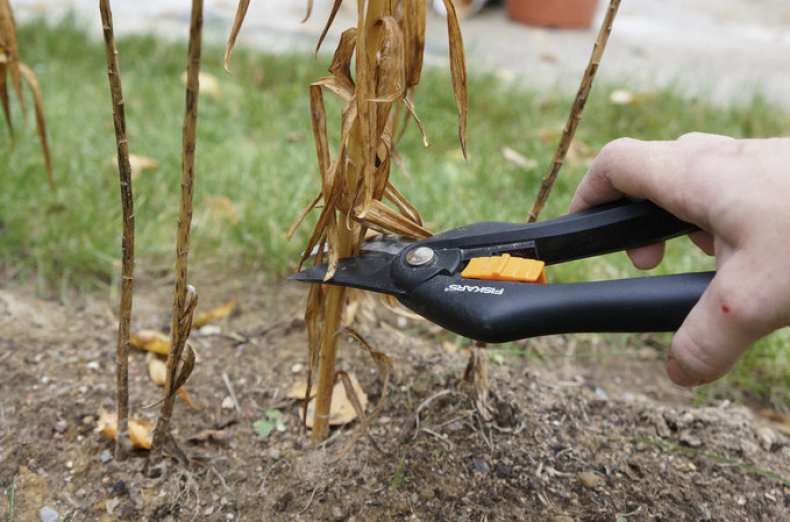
{"x":738,"y":193}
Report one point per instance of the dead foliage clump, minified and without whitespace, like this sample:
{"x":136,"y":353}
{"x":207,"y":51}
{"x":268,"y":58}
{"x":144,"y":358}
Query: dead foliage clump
{"x":11,"y":67}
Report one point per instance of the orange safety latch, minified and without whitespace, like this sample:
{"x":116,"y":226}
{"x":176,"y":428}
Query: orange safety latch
{"x":506,"y":268}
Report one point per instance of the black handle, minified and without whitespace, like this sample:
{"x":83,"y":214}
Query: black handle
{"x":496,"y":312}
{"x":607,"y":228}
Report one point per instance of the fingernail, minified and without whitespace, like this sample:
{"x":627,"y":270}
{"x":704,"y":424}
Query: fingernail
{"x":679,"y":376}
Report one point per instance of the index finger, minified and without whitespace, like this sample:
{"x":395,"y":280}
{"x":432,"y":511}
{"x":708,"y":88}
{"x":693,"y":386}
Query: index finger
{"x":673,"y":174}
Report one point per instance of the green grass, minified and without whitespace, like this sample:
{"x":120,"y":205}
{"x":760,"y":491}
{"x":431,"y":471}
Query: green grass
{"x":255,"y":149}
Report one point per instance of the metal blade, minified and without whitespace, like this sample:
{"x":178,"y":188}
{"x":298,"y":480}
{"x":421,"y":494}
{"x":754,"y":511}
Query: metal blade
{"x":380,"y":244}
{"x":367,"y":272}
{"x":385,"y":244}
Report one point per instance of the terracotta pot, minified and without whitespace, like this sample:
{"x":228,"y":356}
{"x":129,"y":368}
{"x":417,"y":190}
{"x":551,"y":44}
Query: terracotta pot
{"x":561,"y":14}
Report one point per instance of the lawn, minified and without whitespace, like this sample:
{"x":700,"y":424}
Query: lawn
{"x":256,"y":167}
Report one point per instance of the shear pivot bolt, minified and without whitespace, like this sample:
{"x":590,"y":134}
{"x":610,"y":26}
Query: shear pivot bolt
{"x":420,"y":256}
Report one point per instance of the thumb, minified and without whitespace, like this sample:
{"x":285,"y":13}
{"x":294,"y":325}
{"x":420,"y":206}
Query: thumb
{"x":728,"y":319}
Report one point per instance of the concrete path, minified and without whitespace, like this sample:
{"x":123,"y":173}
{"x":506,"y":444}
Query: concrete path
{"x":724,"y":50}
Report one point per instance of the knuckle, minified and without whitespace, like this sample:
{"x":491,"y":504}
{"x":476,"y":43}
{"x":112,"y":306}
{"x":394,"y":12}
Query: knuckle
{"x":612,"y":156}
{"x":692,"y":136}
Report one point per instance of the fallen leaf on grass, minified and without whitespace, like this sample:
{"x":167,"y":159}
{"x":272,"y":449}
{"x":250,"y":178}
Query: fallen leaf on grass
{"x":203,"y":318}
{"x":209,"y":84}
{"x":580,"y":153}
{"x":621,"y":97}
{"x":151,"y":341}
{"x":138,"y":164}
{"x":221,"y":207}
{"x":157,"y":371}
{"x":626,"y":97}
{"x":140,"y":431}
{"x":273,"y":421}
{"x":515,"y":157}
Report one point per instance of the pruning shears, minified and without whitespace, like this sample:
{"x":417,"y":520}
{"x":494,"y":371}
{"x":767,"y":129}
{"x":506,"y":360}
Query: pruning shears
{"x":486,"y":281}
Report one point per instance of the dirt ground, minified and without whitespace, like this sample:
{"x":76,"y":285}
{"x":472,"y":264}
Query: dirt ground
{"x":574,"y":432}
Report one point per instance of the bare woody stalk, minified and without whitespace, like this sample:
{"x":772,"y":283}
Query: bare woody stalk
{"x":577,"y":110}
{"x":184,"y":298}
{"x":122,"y":444}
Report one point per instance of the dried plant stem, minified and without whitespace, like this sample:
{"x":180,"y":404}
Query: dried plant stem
{"x":122,"y":443}
{"x":327,"y":358}
{"x":361,"y":154}
{"x":577,"y":110}
{"x":184,"y":298}
{"x":361,"y":164}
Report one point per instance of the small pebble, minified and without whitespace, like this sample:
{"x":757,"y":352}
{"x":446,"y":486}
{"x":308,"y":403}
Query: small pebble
{"x":601,"y":393}
{"x":227,"y":403}
{"x":210,"y":329}
{"x":61,"y":426}
{"x":297,"y":368}
{"x":118,"y":488}
{"x":47,"y":514}
{"x":481,"y":465}
{"x":589,"y":479}
{"x":767,"y":438}
{"x":105,"y":457}
{"x":93,"y":365}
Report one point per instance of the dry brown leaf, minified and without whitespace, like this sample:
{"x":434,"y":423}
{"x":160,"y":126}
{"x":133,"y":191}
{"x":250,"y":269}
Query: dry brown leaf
{"x":519,"y":159}
{"x":151,"y":341}
{"x":241,"y":12}
{"x":626,"y":97}
{"x":41,"y":127}
{"x":342,"y":410}
{"x":296,"y":391}
{"x":781,"y":422}
{"x":209,"y":316}
{"x":375,"y":69}
{"x":140,"y":431}
{"x":458,"y":70}
{"x":10,"y":65}
{"x":138,"y":164}
{"x":209,"y":435}
{"x":9,"y":48}
{"x":157,"y":371}
{"x":579,"y":153}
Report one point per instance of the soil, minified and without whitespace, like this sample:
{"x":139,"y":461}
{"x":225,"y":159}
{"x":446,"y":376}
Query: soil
{"x":570,"y":431}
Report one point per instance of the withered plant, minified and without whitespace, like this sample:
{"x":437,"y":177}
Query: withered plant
{"x":181,"y":358}
{"x":577,"y":110}
{"x":127,"y":239}
{"x":387,"y":48}
{"x":375,"y":71}
{"x":11,"y":66}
